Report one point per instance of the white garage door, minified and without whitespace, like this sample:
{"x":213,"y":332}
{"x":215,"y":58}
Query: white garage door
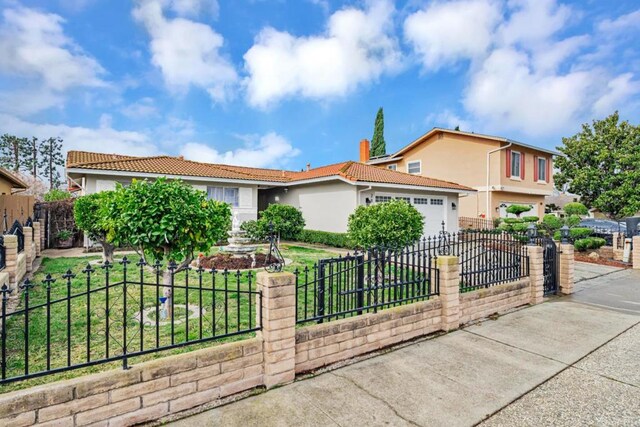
{"x":433,"y":210}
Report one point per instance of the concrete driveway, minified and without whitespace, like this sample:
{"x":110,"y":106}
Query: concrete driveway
{"x":564,"y":362}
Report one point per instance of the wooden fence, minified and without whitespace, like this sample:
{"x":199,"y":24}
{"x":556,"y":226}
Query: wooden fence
{"x":466,"y":223}
{"x":15,"y":207}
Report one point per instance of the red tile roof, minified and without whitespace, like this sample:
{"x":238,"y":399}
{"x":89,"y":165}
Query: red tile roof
{"x":178,"y":166}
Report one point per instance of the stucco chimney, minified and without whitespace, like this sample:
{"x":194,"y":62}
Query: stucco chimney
{"x":364,"y":151}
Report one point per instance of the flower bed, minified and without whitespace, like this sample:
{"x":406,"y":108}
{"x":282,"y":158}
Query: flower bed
{"x":231,"y":262}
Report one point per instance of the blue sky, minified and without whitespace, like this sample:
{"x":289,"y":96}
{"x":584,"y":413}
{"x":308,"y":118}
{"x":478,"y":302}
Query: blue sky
{"x":281,"y":83}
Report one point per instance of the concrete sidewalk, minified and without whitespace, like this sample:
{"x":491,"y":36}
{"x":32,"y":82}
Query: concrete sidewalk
{"x":464,"y":377}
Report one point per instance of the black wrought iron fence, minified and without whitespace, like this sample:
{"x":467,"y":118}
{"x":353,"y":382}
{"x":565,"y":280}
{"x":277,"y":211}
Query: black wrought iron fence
{"x":115,"y":312}
{"x":3,"y":254}
{"x":365,"y":282}
{"x":489,"y":258}
{"x":16,"y":229}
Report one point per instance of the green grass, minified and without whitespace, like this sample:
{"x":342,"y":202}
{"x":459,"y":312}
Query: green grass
{"x":85,"y":314}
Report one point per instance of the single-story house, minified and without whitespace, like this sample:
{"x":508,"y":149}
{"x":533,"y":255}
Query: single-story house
{"x":326,"y":195}
{"x":10,"y":184}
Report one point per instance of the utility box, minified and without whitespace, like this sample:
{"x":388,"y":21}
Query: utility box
{"x":632,"y":225}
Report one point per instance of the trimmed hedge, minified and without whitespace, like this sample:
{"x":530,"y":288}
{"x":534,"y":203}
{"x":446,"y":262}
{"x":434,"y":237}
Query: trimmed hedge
{"x":338,"y":240}
{"x":531,"y":219}
{"x":589,"y":243}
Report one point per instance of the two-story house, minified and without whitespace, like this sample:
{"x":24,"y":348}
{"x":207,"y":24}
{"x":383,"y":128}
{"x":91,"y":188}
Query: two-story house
{"x":503,"y":171}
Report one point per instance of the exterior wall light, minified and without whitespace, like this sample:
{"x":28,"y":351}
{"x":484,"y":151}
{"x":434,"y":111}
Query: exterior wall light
{"x":564,"y":232}
{"x":453,"y":206}
{"x":532,"y":232}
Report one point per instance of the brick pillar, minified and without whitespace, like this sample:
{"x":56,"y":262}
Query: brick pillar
{"x":11,"y":253}
{"x":278,"y":327}
{"x":36,"y":239}
{"x":567,"y":262}
{"x":536,"y":273}
{"x":635,"y":254}
{"x":43,"y":244}
{"x":28,"y":247}
{"x":449,"y":271}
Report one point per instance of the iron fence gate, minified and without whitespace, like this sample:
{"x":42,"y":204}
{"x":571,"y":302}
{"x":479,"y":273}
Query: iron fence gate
{"x":550,"y":257}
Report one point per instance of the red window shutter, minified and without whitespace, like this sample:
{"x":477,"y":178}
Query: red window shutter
{"x":522,"y":166}
{"x":508,"y":163}
{"x":535,"y":168}
{"x":548,"y":175}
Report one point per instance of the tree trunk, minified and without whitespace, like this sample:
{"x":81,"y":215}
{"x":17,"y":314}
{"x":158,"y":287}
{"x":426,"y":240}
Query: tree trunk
{"x":107,"y":251}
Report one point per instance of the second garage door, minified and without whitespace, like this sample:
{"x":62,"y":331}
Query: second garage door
{"x":433,"y":210}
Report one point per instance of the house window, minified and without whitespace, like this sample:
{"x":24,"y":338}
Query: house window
{"x":393,"y":167}
{"x":420,"y":201}
{"x":382,"y":199}
{"x":437,"y":202}
{"x":515,"y":164}
{"x":542,"y":169}
{"x":406,"y":199}
{"x":414,"y":167}
{"x":230,"y":195}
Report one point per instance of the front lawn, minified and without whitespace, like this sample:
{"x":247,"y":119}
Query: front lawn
{"x":80,"y":304}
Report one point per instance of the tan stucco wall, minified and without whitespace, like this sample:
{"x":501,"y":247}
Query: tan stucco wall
{"x":463,"y":159}
{"x":5,"y":186}
{"x":324,"y":206}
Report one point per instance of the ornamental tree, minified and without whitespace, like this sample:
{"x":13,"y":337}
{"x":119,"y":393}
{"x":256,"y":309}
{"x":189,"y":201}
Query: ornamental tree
{"x":168,"y":219}
{"x":378,"y":145}
{"x":517,"y":210}
{"x":92,"y":215}
{"x":287,"y":222}
{"x":575,"y":208}
{"x":600,"y":164}
{"x":390,"y":224}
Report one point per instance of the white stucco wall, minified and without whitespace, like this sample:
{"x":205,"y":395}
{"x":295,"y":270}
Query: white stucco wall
{"x":247,"y":208}
{"x":324,"y":206}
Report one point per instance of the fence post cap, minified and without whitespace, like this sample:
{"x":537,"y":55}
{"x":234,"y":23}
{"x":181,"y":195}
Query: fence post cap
{"x":447,"y":260}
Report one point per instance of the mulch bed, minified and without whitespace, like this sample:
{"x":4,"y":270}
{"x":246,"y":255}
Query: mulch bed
{"x":230,"y":262}
{"x":600,"y":261}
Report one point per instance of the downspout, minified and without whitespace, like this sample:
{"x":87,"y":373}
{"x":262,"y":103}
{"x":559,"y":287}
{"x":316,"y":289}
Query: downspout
{"x":489,"y":153}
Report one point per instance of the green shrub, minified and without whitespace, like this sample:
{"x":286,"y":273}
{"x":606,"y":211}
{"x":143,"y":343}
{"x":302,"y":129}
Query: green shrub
{"x":56,"y":195}
{"x":287,"y":223}
{"x":513,"y":220}
{"x":518,"y":209}
{"x":580,"y":232}
{"x":573,"y":220}
{"x":520,"y":227}
{"x":552,"y":223}
{"x":531,"y":219}
{"x":338,"y":240}
{"x":575,"y":208}
{"x":496,"y":222}
{"x":391,"y":224}
{"x":589,"y":243}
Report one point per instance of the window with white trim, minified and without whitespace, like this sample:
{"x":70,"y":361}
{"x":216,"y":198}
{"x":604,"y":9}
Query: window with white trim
{"x":230,"y":195}
{"x":515,"y":164}
{"x":382,"y":199}
{"x":393,"y":167}
{"x":414,"y":167}
{"x":420,"y":201}
{"x":542,"y":169}
{"x":437,"y":202}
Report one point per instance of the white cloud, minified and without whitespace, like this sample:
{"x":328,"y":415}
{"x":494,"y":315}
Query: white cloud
{"x":104,"y":139}
{"x":270,"y":150}
{"x":186,"y":52}
{"x":533,"y":21}
{"x":357,"y":47}
{"x":449,"y":119}
{"x":141,"y":109}
{"x":444,"y":33}
{"x":195,"y":8}
{"x":46,"y":62}
{"x":508,"y":94}
{"x":618,"y":91}
{"x":630,"y":21}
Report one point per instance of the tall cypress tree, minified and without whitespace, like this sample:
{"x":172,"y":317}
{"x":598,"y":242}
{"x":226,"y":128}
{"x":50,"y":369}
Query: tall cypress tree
{"x":378,"y":146}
